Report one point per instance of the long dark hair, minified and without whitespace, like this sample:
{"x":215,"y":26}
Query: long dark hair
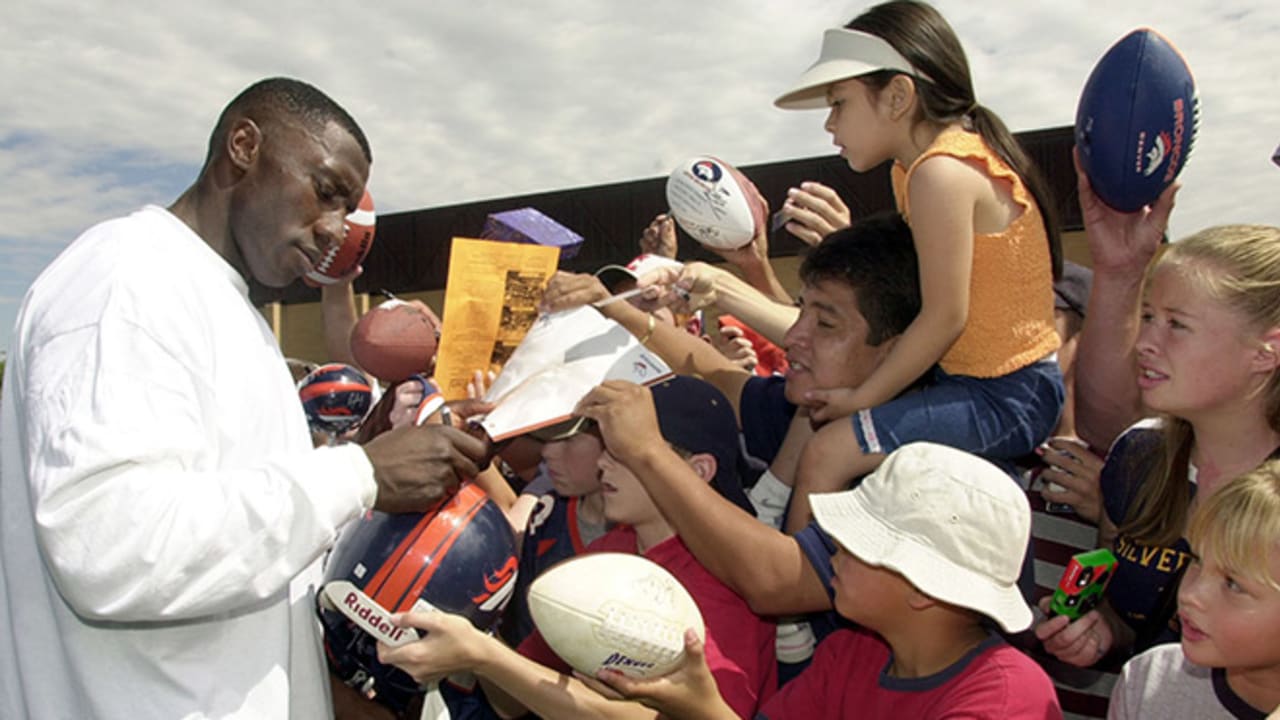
{"x":921,"y":35}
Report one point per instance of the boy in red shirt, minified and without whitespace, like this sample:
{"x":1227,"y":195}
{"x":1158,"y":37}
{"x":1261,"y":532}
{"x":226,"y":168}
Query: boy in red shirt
{"x":929,"y":552}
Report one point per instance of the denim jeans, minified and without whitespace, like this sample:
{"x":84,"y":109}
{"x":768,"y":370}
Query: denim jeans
{"x":999,"y":418}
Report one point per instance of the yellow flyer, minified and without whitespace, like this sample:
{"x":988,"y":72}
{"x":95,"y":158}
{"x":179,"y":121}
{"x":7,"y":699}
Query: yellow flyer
{"x":490,"y":301}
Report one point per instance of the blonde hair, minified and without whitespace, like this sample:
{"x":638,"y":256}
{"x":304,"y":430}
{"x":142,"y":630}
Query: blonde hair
{"x":1240,"y":525}
{"x":1239,"y":266}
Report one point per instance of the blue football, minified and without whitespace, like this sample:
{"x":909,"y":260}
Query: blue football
{"x":1136,"y":120}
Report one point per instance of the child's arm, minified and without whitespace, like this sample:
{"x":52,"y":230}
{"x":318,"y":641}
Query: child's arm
{"x":767,"y":568}
{"x":490,"y":479}
{"x":338,"y":315}
{"x":699,"y":285}
{"x":702,"y":285}
{"x":828,"y":462}
{"x":513,"y":683}
{"x":752,"y":259}
{"x":686,"y":354}
{"x":943,"y":194}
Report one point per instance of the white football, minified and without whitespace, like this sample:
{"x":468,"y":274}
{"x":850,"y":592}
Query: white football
{"x":614,"y":611}
{"x":714,"y":203}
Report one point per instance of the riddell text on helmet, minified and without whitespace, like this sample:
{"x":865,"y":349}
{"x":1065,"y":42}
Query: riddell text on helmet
{"x":373,"y":615}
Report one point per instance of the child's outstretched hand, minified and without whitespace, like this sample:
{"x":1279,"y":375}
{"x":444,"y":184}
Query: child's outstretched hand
{"x":689,"y":692}
{"x":479,"y":384}
{"x":1081,"y":643}
{"x":449,"y":644}
{"x":829,"y":404}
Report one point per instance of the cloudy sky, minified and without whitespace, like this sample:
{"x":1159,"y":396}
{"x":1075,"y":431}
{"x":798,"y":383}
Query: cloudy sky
{"x":105,"y":110}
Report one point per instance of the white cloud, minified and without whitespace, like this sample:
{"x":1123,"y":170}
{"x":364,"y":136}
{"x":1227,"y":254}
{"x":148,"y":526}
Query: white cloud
{"x":464,"y":101}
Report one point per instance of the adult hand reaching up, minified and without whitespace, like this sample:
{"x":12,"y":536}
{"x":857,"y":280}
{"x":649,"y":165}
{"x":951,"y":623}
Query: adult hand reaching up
{"x":659,"y":238}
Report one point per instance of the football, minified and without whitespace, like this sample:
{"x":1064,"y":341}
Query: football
{"x":336,"y":398}
{"x":1136,"y":120}
{"x":458,"y":557}
{"x":614,"y":611}
{"x":344,"y":257}
{"x":396,"y":339}
{"x":713,"y":202}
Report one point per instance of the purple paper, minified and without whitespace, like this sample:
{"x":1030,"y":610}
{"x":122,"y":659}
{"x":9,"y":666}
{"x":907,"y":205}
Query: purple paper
{"x":528,"y":225}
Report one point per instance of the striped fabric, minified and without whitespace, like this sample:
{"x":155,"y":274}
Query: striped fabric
{"x":1082,"y":692}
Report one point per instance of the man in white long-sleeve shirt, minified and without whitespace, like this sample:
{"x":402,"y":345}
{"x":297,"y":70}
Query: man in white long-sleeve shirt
{"x":162,"y":511}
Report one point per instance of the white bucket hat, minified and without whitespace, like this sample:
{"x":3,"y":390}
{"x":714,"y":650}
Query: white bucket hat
{"x":845,"y":54}
{"x":951,"y":523}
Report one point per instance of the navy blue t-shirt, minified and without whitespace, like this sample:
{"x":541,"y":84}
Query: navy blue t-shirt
{"x":1147,"y":576}
{"x":765,"y":415}
{"x":553,"y":533}
{"x":818,"y":547}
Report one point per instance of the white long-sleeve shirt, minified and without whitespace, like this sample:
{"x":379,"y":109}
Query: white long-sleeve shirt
{"x":162,"y":511}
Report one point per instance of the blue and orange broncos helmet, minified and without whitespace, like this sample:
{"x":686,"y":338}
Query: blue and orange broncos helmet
{"x":335,"y":397}
{"x":459,"y":557}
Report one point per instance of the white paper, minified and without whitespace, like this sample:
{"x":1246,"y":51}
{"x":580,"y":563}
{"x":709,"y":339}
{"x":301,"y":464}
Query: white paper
{"x":563,"y":356}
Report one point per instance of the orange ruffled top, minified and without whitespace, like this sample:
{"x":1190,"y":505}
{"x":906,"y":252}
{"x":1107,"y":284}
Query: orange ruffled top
{"x":1010,"y":323}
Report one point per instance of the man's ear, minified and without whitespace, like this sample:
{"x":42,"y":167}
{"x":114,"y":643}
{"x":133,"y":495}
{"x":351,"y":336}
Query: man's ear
{"x":244,"y":142}
{"x":704,"y":464}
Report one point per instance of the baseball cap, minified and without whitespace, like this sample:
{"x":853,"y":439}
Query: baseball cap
{"x":614,"y":275}
{"x":1071,"y":291}
{"x":695,"y":416}
{"x":951,"y":523}
{"x":845,"y":54}
{"x":562,"y":430}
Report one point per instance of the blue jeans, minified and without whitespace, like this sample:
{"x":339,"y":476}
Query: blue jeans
{"x":999,"y":418}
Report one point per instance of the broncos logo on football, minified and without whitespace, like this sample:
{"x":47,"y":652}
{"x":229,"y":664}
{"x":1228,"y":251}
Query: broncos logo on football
{"x":1156,"y":154}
